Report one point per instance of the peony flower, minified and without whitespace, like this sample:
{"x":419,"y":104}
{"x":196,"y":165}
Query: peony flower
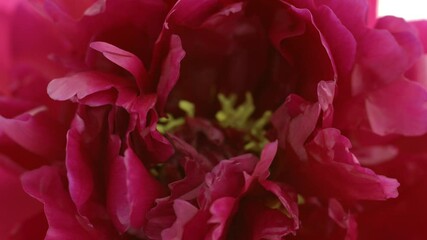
{"x":208,"y":119}
{"x":401,"y":157}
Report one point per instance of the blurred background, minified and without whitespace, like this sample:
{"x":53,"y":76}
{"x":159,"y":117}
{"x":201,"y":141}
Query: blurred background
{"x":408,"y":9}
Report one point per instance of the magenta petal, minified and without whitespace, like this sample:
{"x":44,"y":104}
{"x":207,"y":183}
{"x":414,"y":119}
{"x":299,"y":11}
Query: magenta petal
{"x":78,"y":165}
{"x":256,"y":220}
{"x":343,"y":219}
{"x":170,"y":70}
{"x":356,"y":21}
{"x":326,"y":94}
{"x":37,"y":132}
{"x":295,"y":120}
{"x":405,"y":35}
{"x":286,"y":201}
{"x":184,"y":212}
{"x":222,"y":210}
{"x":192,"y":13}
{"x":337,"y":39}
{"x":72,"y":9}
{"x":398,"y":108}
{"x":87,"y":149}
{"x":16,"y":206}
{"x":31,"y":228}
{"x":158,"y":146}
{"x":131,"y":191}
{"x":421,"y":27}
{"x":334,"y":166}
{"x":384,"y":56}
{"x":6,"y":11}
{"x":227,"y":179}
{"x":12,"y":107}
{"x":303,"y":125}
{"x":124,"y":59}
{"x":94,"y":85}
{"x":372,"y":12}
{"x":267,"y":155}
{"x":159,"y":218}
{"x":47,"y":184}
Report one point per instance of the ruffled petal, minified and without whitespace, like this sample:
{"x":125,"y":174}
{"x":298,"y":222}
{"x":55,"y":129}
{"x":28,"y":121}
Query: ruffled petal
{"x":398,"y":108}
{"x":48,"y":185}
{"x":334,"y":166}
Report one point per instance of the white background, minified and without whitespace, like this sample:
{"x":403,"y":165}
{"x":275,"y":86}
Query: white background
{"x":408,"y":9}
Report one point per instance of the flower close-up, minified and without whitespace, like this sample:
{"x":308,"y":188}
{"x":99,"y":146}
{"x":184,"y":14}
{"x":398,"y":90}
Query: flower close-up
{"x":211,"y":119}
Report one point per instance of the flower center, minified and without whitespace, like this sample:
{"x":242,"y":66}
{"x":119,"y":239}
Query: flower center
{"x":230,"y":116}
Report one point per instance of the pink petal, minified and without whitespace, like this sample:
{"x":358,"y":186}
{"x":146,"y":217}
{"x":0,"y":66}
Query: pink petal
{"x":326,"y":94}
{"x":184,"y":212}
{"x":356,"y":21}
{"x":6,"y":12}
{"x":131,"y":191}
{"x":295,"y":120}
{"x":421,"y":27}
{"x":384,"y":55}
{"x":88,"y":147}
{"x":170,"y":70}
{"x":285,"y":199}
{"x":92,"y":88}
{"x":16,"y":206}
{"x":158,"y":146}
{"x":124,"y":59}
{"x":222,"y":211}
{"x":398,"y":108}
{"x":336,"y":39}
{"x":255,"y":220}
{"x":227,"y":179}
{"x":335,"y":171}
{"x":47,"y":184}
{"x":192,"y":13}
{"x":72,"y":9}
{"x":37,"y":132}
{"x":372,"y":13}
{"x":267,"y":155}
{"x":12,"y":107}
{"x":405,"y":35}
{"x":344,"y":219}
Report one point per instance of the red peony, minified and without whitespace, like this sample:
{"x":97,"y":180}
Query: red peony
{"x":211,"y":119}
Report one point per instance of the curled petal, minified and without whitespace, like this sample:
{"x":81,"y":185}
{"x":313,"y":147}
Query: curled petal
{"x":92,"y":88}
{"x":124,"y":59}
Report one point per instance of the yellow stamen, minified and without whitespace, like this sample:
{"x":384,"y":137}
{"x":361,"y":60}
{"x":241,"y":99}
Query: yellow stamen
{"x":239,"y":118}
{"x":169,"y":123}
